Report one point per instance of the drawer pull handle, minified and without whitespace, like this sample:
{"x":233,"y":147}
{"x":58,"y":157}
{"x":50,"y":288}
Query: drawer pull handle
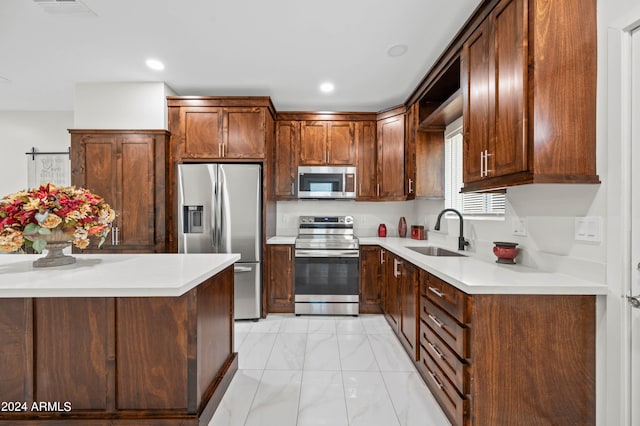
{"x":435,"y":320}
{"x":436,"y":292}
{"x":435,"y":379}
{"x":436,"y":350}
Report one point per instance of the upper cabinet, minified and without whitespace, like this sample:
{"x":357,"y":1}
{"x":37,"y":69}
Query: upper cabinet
{"x":366,"y":164}
{"x":217,"y":128}
{"x":323,"y":139}
{"x":286,"y":164}
{"x":529,"y":86}
{"x":391,"y":155}
{"x":327,"y":143}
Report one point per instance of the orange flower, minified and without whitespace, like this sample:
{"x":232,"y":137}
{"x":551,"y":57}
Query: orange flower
{"x":51,"y":221}
{"x":10,"y":240}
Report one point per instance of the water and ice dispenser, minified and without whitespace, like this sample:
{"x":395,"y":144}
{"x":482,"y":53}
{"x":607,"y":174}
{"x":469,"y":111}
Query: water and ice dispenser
{"x":193,"y":219}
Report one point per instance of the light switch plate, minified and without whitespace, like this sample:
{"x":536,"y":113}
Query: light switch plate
{"x":588,"y":228}
{"x":519,"y":226}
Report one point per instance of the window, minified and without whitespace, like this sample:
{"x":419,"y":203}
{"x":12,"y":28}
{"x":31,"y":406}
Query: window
{"x":469,"y":204}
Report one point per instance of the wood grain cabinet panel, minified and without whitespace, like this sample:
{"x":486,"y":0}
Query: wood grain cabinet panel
{"x":366,"y":160}
{"x":327,"y":143}
{"x":409,"y":302}
{"x":16,"y":321}
{"x":82,"y":352}
{"x":280,"y":278}
{"x":154,"y":378}
{"x":202,"y":132}
{"x":313,"y":143}
{"x":341,"y":143}
{"x":371,"y":283}
{"x":212,"y":132}
{"x":244,"y":133}
{"x":128,"y":168}
{"x":286,"y":161}
{"x":529,"y":87}
{"x":392,"y":285}
{"x":507,"y":359}
{"x":391,"y":160}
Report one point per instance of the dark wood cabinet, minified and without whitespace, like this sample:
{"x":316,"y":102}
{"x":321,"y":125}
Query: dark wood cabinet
{"x":401,"y":300}
{"x":425,"y":148}
{"x":391,"y":156}
{"x":392,"y":283}
{"x":222,"y":129}
{"x":409,"y":308}
{"x":280,"y":266}
{"x":371,"y":279}
{"x":366,"y":161}
{"x":327,"y":143}
{"x":477,"y":353}
{"x":286,"y":159}
{"x":215,"y":132}
{"x":128,"y":169}
{"x":119,"y":360}
{"x":528,"y":85}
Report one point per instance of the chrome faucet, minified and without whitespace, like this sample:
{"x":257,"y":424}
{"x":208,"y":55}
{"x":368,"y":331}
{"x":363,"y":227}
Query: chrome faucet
{"x":461,"y":241}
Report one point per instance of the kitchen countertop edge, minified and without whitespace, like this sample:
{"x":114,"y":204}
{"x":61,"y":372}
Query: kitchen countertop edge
{"x":111,"y":275}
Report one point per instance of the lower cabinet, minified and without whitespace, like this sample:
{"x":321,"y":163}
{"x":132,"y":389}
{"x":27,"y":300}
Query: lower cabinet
{"x":280,"y":273}
{"x":401,"y":301}
{"x":495,"y":359}
{"x":392,"y":289}
{"x":371,"y":279}
{"x":498,"y":359}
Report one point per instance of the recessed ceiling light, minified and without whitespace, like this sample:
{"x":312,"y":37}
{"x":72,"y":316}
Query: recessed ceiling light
{"x":397,"y":50}
{"x":327,"y":87}
{"x":155,"y":64}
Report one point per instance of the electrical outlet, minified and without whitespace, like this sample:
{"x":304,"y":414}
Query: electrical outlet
{"x":588,"y":228}
{"x":519,"y":226}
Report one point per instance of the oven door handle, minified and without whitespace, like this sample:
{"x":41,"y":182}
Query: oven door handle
{"x":327,"y":253}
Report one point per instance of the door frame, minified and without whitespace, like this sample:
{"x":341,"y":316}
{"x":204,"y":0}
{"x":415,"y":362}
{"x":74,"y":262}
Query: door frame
{"x":614,"y":405}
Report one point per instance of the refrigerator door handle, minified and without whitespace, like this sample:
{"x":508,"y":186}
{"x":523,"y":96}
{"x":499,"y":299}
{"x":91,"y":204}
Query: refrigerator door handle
{"x":237,"y":268}
{"x":224,"y":221}
{"x":213,"y":172}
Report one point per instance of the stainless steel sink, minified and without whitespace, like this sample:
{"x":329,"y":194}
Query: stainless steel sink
{"x":435,"y":251}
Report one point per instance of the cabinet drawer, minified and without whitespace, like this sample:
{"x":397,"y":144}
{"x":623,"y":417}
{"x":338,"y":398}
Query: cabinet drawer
{"x":455,"y":369}
{"x":449,"y":298}
{"x":452,"y":333}
{"x":453,"y":405}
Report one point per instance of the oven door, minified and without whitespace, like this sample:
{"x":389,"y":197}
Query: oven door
{"x":323,"y":274}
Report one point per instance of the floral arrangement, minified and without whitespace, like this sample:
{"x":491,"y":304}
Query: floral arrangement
{"x":27,"y":217}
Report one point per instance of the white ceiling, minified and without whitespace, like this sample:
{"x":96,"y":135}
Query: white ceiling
{"x":278,"y":48}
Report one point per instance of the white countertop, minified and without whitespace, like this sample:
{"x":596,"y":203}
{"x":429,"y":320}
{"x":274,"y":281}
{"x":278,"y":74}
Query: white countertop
{"x":281,"y":240}
{"x":476,"y":276}
{"x":110,"y":275}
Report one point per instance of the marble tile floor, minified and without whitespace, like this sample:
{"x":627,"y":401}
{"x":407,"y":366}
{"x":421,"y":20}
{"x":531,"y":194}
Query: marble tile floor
{"x":333,"y":371}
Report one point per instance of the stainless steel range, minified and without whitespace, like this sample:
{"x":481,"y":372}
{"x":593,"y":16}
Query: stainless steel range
{"x":327,"y":266}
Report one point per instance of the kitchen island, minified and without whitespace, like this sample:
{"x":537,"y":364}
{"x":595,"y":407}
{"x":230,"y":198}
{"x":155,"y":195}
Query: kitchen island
{"x":116,"y":339}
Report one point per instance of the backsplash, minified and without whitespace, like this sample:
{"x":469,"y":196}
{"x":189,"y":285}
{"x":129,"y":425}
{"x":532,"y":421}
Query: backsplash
{"x":367,"y":215}
{"x":549,"y":213}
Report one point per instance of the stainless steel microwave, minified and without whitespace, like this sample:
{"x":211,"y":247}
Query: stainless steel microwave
{"x":327,"y":182}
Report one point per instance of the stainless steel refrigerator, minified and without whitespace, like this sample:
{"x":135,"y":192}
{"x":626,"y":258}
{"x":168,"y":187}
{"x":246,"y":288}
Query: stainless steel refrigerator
{"x":219,"y":211}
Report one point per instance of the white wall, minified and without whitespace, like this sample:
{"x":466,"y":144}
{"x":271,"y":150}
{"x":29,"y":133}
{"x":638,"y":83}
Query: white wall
{"x":22,"y":130}
{"x":121,"y":105}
